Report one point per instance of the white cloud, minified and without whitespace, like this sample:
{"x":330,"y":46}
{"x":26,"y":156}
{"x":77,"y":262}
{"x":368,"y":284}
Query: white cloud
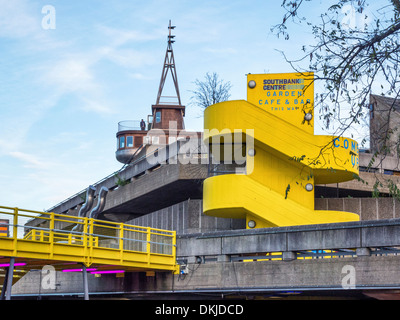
{"x":74,"y":74}
{"x":129,"y":58}
{"x":140,"y":76}
{"x":16,"y":20}
{"x":95,"y":105}
{"x":119,"y":37}
{"x":70,"y":75}
{"x":220,"y":51}
{"x":30,"y":160}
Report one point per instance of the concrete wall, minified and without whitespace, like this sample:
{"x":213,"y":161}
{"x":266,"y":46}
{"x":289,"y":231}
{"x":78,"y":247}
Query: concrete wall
{"x":346,"y":235}
{"x":318,"y":274}
{"x":366,"y":208}
{"x":71,"y":283}
{"x":187,"y":217}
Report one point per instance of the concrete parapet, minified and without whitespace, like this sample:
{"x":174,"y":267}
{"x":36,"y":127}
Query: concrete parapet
{"x":335,"y":236}
{"x":366,"y":208}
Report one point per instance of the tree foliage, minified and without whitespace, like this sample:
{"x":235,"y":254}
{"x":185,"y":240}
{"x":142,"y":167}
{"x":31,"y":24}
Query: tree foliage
{"x":210,"y":91}
{"x":356,"y":52}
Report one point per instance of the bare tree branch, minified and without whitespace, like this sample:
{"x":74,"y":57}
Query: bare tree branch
{"x":210,"y":91}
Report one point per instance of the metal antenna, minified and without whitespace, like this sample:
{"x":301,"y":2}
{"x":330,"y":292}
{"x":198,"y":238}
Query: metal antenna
{"x":169,"y":64}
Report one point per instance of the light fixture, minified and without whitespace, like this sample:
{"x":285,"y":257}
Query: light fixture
{"x":309,"y":187}
{"x":107,"y":271}
{"x":252,"y":84}
{"x":251,"y":152}
{"x":17,"y":264}
{"x":251,"y":224}
{"x":79,"y":270}
{"x":308,"y":116}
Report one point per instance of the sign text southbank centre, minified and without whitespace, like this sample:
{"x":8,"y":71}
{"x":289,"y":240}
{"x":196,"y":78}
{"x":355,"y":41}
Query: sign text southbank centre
{"x":281,"y":92}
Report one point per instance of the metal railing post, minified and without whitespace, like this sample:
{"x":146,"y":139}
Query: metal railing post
{"x":174,"y":244}
{"x":121,"y":241}
{"x":51,"y":234}
{"x":85,"y":232}
{"x":148,"y":244}
{"x":15,"y":224}
{"x":91,"y":228}
{"x":51,"y":227}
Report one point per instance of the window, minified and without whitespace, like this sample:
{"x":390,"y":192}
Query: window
{"x":368,"y":169}
{"x":121,"y":142}
{"x":138,"y":141}
{"x":228,"y":158}
{"x":158,"y":116}
{"x":129,"y":142}
{"x":391,"y":172}
{"x":371,"y":110}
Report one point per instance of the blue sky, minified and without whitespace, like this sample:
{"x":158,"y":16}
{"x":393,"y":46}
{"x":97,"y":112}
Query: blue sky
{"x":64,"y":90}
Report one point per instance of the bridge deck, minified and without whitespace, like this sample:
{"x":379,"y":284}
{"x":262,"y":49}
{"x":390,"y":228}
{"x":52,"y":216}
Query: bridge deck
{"x":99,"y":244}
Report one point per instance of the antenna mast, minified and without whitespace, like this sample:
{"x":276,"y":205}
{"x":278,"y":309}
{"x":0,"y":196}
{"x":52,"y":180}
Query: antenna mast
{"x":169,"y":64}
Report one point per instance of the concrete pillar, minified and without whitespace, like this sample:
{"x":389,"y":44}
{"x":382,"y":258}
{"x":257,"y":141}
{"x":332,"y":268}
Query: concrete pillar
{"x":195,"y":259}
{"x":10,"y":274}
{"x":361,"y":252}
{"x":85,"y":282}
{"x":288,"y":256}
{"x":223,"y":258}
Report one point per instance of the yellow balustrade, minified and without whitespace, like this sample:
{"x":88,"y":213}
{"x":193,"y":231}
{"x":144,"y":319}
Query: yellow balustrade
{"x":40,"y":238}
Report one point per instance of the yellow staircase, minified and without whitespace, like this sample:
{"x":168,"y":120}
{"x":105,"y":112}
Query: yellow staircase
{"x":272,"y":133}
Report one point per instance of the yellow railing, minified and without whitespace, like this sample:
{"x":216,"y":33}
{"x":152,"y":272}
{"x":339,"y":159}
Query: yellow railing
{"x":42,"y":235}
{"x":153,"y":247}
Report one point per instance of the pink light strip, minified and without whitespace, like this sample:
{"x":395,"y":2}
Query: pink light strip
{"x":108,"y":271}
{"x":78,"y":270}
{"x":17,"y":264}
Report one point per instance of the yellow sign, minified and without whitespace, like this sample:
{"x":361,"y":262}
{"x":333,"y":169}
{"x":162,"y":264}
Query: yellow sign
{"x":289,"y":96}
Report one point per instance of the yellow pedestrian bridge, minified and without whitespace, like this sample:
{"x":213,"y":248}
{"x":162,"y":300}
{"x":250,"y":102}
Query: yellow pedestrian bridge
{"x":104,"y":246}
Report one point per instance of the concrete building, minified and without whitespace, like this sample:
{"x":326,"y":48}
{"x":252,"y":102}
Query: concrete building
{"x":384,"y":124}
{"x":160,"y":186}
